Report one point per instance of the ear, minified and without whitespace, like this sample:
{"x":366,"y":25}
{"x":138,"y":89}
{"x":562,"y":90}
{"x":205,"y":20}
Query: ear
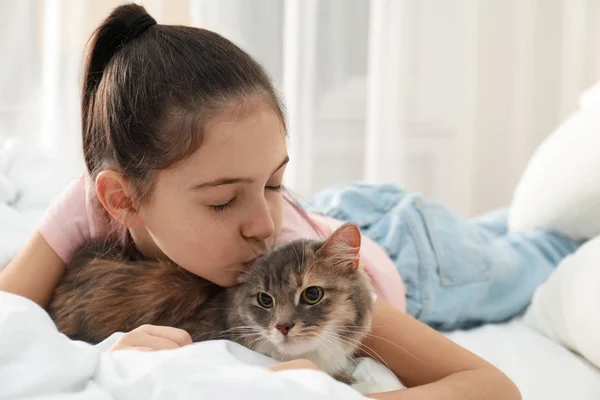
{"x":116,"y":195}
{"x":343,"y":246}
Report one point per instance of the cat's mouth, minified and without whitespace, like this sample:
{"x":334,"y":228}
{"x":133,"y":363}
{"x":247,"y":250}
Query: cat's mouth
{"x":293,"y":344}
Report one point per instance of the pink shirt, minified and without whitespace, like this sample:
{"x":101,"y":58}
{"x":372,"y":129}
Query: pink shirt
{"x":76,"y":216}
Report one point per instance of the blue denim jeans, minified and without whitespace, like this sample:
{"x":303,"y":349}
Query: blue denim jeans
{"x":458,"y":273}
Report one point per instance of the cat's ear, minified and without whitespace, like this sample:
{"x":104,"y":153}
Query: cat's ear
{"x":343,"y":247}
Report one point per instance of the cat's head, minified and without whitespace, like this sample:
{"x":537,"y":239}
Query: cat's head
{"x":306,"y":295}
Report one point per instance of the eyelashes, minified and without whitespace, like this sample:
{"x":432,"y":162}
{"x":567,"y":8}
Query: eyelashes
{"x":277,"y":188}
{"x":225,"y":206}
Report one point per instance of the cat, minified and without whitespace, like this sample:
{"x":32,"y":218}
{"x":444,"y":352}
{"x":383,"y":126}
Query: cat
{"x":305,"y":299}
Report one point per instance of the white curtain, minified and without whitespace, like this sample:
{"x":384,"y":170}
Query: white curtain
{"x":445,"y":97}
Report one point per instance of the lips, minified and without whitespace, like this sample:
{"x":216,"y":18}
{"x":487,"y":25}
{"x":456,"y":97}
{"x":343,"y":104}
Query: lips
{"x":248,"y":264}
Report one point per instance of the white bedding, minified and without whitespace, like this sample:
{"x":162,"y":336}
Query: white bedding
{"x":37,"y":362}
{"x":541,"y":368}
{"x":28,"y":182}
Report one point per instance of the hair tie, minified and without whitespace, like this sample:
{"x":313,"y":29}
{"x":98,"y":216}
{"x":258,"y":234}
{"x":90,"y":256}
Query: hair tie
{"x":140,"y":25}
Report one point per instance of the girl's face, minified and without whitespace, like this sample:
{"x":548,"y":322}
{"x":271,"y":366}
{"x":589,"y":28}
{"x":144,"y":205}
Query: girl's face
{"x":217,"y":211}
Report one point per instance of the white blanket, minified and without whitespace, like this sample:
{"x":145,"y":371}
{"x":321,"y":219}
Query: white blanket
{"x":38,"y":362}
{"x":541,"y":368}
{"x":29,"y":181}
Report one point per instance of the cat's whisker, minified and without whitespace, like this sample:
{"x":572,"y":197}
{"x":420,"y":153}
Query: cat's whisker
{"x":252,"y":249}
{"x":372,"y":353}
{"x":321,"y":340}
{"x":224,"y":308}
{"x":260,"y":344}
{"x":368,"y":350}
{"x":359,"y":345}
{"x":249,"y":336}
{"x":241,"y":327}
{"x":243,"y":330}
{"x":237,"y":334}
{"x":387,"y":341}
{"x":332,"y":342}
{"x":234,"y":269}
{"x":297,"y":255}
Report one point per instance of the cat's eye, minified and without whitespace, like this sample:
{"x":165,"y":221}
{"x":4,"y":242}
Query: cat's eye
{"x":264,"y":300}
{"x":312,"y":295}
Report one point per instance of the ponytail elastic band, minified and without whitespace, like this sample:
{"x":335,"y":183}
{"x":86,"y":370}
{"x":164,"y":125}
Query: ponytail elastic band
{"x":138,"y":26}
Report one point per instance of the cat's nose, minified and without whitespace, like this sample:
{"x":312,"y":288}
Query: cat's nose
{"x":284,"y":328}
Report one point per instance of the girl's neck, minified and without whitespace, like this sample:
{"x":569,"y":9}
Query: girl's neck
{"x":143,"y":243}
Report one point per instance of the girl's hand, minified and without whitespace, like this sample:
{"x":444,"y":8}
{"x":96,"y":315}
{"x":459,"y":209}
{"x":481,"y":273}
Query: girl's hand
{"x":151,"y":338}
{"x":294,"y":364}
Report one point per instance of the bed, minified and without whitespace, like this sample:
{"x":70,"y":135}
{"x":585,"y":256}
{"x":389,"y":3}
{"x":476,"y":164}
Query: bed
{"x":38,"y":362}
{"x":541,"y":368}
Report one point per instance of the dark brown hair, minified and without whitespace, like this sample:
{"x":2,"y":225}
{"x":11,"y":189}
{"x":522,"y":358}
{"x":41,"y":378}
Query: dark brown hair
{"x":146,"y":97}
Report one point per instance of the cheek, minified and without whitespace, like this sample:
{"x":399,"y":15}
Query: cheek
{"x":261,"y":317}
{"x":190,"y":237}
{"x":172,"y":221}
{"x":316,"y":315}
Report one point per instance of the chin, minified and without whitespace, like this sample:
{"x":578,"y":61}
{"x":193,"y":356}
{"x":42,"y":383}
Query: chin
{"x":226,"y":279}
{"x":296,"y":346}
{"x":227,"y":283}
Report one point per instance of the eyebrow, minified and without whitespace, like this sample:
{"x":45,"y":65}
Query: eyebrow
{"x":230,"y":181}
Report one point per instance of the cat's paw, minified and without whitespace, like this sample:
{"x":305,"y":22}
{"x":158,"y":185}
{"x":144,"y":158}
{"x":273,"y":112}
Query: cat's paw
{"x":344,"y":377}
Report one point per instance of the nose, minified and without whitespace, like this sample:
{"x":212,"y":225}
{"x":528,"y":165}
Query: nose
{"x":284,"y":328}
{"x":260,"y":224}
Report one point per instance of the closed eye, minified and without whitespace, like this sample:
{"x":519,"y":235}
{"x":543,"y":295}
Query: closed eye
{"x":224,"y":206}
{"x":277,"y":188}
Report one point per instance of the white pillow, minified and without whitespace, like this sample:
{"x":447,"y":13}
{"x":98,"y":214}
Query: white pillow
{"x":566,"y":307}
{"x":560,"y":188}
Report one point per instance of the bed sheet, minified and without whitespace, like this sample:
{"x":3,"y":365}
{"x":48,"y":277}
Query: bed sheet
{"x":541,"y":368}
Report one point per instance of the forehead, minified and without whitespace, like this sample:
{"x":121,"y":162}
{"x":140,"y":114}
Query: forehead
{"x":246,"y":139}
{"x":292,"y":264}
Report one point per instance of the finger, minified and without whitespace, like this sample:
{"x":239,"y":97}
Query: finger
{"x":140,"y":348}
{"x":293,"y":364}
{"x":144,"y":339}
{"x":137,"y":348}
{"x":176,"y":335}
{"x":305,"y":364}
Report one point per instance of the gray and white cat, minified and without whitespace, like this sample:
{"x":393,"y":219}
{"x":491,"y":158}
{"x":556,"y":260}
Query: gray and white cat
{"x":305,"y":299}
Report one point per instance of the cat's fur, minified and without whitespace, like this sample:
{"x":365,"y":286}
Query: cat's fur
{"x":101,"y":293}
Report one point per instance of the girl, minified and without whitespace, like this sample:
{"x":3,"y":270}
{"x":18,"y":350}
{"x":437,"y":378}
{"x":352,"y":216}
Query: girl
{"x":184,"y":143}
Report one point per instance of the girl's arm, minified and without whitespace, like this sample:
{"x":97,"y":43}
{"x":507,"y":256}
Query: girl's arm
{"x":35,"y":271}
{"x":430,"y":365}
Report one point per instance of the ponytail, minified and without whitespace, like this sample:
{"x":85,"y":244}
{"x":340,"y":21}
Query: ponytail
{"x":122,"y":26}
